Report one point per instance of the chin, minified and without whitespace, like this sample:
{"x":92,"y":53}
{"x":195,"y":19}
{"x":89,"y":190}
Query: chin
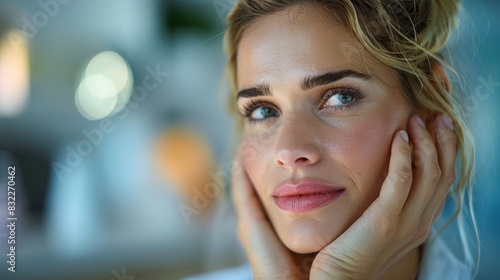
{"x":306,"y":235}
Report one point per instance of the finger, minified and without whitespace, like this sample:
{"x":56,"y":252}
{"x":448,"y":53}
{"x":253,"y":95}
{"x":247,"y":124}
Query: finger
{"x":253,"y":225}
{"x":426,"y":170}
{"x":247,"y":206}
{"x":447,"y":151}
{"x":376,"y":229}
{"x":262,"y":246}
{"x":447,"y":154}
{"x":397,"y":184}
{"x":245,"y":200}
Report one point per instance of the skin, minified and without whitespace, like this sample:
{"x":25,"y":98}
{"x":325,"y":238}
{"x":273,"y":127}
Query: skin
{"x":348,"y":147}
{"x":374,"y":229}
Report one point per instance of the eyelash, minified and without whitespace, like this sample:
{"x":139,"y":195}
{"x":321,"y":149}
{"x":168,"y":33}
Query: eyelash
{"x":348,"y":89}
{"x":252,"y":105}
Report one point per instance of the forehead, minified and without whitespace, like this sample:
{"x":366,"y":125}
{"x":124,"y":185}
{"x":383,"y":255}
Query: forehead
{"x":300,"y":41}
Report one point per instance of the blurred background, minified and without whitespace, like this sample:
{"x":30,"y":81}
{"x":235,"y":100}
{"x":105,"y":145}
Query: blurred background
{"x":113,"y":113}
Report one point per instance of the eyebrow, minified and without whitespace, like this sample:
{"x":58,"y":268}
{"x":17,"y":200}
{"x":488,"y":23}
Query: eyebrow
{"x":330,"y":77}
{"x":307,"y":82}
{"x":258,"y":90}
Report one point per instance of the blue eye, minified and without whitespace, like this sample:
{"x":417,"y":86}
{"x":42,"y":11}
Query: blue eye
{"x":339,"y":99}
{"x":259,"y":111}
{"x":263,"y":113}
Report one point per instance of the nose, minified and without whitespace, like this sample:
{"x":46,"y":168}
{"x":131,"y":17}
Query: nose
{"x":295,"y":146}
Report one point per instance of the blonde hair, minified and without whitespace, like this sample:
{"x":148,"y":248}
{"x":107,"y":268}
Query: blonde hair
{"x":410,"y":37}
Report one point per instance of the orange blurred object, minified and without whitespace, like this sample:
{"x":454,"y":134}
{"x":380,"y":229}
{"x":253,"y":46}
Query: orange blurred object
{"x":14,"y":74}
{"x":184,"y":159}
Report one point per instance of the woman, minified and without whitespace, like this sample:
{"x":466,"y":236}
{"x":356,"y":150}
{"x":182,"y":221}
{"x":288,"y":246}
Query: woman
{"x":350,"y":135}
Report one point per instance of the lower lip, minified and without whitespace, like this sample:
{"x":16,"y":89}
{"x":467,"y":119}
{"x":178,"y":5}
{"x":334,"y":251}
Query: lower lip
{"x":304,"y":203}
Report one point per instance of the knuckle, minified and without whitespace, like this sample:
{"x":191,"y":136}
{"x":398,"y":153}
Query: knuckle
{"x":417,"y":159}
{"x":424,"y":151}
{"x":330,"y":264}
{"x":422,"y":235}
{"x":453,"y":140}
{"x":450,"y":177}
{"x":404,"y":176}
{"x":435,"y":175}
{"x":428,"y":147}
{"x":447,"y":137}
{"x":405,"y":151}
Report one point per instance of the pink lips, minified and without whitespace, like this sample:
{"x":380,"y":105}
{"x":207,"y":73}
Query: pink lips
{"x":305,"y":196}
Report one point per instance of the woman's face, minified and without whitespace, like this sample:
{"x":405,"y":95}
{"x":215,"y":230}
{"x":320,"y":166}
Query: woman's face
{"x":321,"y":114}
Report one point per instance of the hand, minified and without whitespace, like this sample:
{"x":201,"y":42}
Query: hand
{"x":399,"y":220}
{"x":268,"y":257}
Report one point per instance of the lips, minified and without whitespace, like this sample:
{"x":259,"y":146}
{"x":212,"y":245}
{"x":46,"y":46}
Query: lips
{"x":305,"y":196}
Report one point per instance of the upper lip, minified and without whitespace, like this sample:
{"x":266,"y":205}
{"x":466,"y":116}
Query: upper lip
{"x":304,"y":187}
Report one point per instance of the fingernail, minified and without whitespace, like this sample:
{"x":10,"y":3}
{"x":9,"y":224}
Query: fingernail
{"x":447,"y":121}
{"x":404,"y":134}
{"x":420,"y":121}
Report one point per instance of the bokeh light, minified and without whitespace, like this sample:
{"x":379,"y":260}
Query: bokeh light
{"x":14,"y":74}
{"x":105,"y":86}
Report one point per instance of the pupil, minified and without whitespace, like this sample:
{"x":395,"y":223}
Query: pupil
{"x":346,"y":98}
{"x":266,"y":112}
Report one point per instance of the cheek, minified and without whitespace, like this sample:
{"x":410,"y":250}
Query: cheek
{"x":364,"y":149}
{"x":253,"y":152}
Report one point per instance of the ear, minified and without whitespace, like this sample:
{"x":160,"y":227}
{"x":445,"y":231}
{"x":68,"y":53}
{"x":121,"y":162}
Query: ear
{"x":439,"y":73}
